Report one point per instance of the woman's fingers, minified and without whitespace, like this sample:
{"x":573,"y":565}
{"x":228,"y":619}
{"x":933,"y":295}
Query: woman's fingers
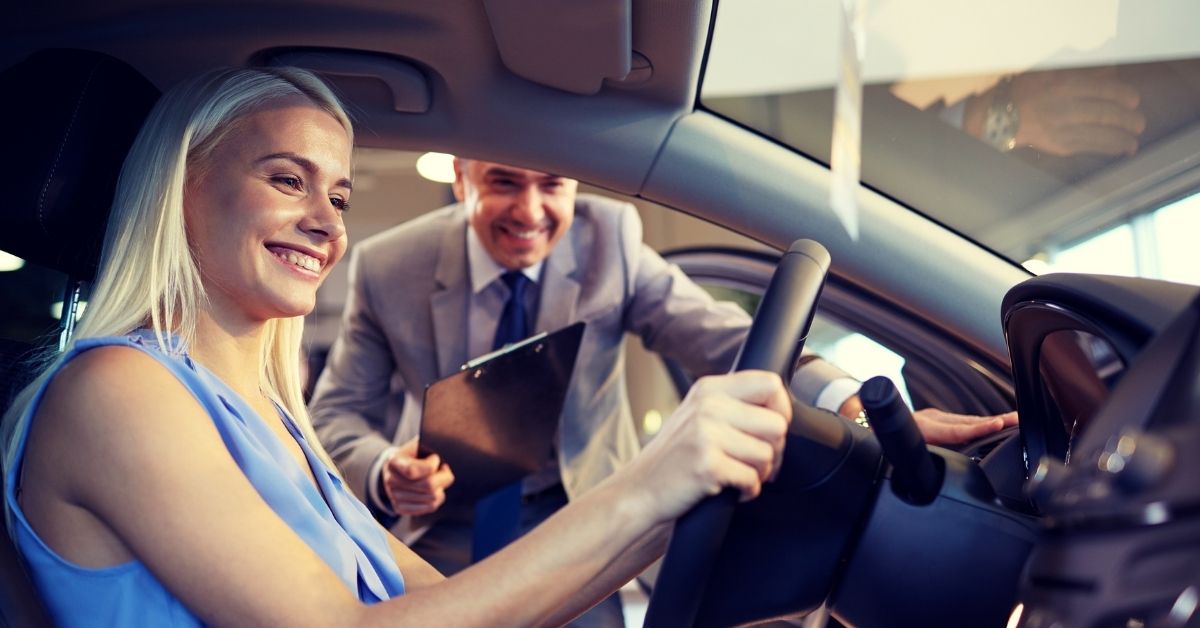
{"x":744,"y":478}
{"x":746,"y":415}
{"x":761,"y":434}
{"x":750,"y":451}
{"x":729,"y":431}
{"x":760,"y":388}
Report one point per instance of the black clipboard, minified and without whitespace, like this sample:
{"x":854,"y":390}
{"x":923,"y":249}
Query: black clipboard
{"x":494,"y":421}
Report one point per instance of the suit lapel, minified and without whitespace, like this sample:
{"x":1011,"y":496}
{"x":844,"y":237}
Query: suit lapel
{"x":560,"y":289}
{"x":448,"y":303}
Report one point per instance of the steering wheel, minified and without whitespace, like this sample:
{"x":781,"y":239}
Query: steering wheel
{"x":774,"y":342}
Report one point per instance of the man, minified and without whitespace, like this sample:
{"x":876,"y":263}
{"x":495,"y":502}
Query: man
{"x":427,"y":296}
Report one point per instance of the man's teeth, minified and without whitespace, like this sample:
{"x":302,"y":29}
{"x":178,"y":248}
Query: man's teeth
{"x":524,"y":235}
{"x":300,"y":259}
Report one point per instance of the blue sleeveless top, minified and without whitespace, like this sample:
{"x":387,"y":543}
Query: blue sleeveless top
{"x":332,"y":521}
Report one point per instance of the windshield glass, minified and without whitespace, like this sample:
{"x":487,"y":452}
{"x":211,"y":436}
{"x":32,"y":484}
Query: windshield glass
{"x":1063,"y":135}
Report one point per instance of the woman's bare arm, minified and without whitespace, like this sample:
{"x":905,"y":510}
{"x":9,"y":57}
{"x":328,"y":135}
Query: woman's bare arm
{"x":132,"y":447}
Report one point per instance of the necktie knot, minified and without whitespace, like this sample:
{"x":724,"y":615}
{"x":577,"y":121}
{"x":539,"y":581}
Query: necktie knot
{"x":516,"y":282}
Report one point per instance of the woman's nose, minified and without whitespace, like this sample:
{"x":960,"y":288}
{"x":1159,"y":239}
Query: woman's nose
{"x":324,"y":220}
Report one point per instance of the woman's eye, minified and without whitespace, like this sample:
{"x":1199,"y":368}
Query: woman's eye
{"x":288,"y":180}
{"x":340,"y":203}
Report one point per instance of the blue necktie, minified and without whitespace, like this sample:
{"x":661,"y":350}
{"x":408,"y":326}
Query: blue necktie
{"x":514,"y":320}
{"x":498,"y":515}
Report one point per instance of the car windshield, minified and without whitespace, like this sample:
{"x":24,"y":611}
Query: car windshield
{"x":1063,"y":135}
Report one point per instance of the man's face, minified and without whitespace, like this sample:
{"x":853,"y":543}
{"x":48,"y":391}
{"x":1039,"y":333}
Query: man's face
{"x":518,"y":214}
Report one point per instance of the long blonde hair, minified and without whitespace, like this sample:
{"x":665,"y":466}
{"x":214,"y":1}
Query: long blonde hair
{"x":148,"y":276}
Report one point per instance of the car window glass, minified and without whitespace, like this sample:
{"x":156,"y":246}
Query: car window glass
{"x":32,"y":297}
{"x":652,"y":394}
{"x":859,"y":355}
{"x":1158,"y":244}
{"x":1058,"y":134}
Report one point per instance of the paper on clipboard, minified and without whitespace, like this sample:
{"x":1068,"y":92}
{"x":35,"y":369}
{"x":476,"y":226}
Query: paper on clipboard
{"x":495,"y":420}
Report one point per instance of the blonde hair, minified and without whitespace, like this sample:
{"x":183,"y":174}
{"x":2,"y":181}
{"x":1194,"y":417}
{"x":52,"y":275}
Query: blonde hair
{"x":148,"y":276}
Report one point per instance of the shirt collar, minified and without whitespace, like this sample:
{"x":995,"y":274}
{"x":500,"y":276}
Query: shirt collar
{"x":484,"y":269}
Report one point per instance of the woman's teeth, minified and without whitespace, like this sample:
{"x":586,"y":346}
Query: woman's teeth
{"x":299,"y":259}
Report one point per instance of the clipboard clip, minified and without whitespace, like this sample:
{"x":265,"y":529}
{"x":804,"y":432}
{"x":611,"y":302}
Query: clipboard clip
{"x":502,"y":350}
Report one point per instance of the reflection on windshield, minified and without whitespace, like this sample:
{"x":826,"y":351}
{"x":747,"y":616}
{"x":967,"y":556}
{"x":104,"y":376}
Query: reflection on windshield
{"x":1029,"y":155}
{"x":1058,"y":113}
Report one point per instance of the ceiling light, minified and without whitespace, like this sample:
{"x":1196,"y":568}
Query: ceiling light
{"x":436,"y":167}
{"x":9,"y":261}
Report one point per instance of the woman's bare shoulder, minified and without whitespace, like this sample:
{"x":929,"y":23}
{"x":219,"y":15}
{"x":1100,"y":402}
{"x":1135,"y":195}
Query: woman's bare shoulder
{"x":109,"y":387}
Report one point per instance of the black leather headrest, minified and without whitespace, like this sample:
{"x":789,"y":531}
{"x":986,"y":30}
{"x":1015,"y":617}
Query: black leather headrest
{"x":71,"y":117}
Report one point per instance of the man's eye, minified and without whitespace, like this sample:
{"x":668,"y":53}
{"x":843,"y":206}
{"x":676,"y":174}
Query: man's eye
{"x":340,"y":203}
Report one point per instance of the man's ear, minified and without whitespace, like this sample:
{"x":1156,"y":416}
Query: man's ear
{"x":459,"y":192}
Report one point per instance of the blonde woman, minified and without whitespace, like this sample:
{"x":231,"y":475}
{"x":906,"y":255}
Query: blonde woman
{"x":162,"y":470}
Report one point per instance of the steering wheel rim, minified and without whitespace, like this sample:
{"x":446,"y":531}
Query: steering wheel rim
{"x":773,"y":343}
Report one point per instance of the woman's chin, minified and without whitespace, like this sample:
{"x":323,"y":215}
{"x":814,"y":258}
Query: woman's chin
{"x":290,"y":307}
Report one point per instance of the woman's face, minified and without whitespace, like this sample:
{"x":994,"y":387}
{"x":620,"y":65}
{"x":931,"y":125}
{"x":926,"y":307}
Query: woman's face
{"x":264,"y":211}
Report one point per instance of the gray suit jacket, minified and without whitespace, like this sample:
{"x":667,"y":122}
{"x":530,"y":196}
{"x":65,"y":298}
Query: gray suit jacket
{"x":406,"y":315}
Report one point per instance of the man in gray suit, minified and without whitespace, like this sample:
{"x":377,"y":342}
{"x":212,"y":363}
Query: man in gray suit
{"x":426,"y":297}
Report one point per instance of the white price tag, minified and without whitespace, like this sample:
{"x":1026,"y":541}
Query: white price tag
{"x":845,"y":161}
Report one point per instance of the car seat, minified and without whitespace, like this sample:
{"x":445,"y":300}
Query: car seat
{"x":72,"y":116}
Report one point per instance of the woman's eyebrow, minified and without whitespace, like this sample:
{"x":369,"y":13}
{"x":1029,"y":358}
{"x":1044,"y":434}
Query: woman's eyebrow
{"x":304,"y":163}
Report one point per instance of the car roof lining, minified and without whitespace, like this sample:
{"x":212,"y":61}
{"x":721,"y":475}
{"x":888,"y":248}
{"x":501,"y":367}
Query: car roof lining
{"x":477,"y":105}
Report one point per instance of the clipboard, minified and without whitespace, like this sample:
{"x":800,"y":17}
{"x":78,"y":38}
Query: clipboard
{"x":495,"y":420}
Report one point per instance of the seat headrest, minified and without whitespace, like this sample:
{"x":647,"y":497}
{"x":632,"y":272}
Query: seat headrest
{"x":72,"y":116}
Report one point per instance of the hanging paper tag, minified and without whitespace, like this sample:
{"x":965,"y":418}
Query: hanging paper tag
{"x":845,"y":160}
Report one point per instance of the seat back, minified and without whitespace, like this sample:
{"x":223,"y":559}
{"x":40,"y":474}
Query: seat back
{"x":71,"y":116}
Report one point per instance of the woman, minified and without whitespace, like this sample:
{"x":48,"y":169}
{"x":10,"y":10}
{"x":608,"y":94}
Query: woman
{"x":163,"y":470}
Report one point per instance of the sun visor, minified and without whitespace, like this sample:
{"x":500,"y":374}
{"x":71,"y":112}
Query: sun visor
{"x":566,"y":44}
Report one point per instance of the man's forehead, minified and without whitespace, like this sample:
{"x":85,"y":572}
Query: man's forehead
{"x":488,"y":168}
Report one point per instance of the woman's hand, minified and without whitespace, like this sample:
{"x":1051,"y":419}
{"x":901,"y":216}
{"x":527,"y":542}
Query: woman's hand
{"x":729,"y":431}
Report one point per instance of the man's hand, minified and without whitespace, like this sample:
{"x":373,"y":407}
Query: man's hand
{"x":1067,"y":112}
{"x":416,"y":486}
{"x":945,"y":428}
{"x":1077,"y":111}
